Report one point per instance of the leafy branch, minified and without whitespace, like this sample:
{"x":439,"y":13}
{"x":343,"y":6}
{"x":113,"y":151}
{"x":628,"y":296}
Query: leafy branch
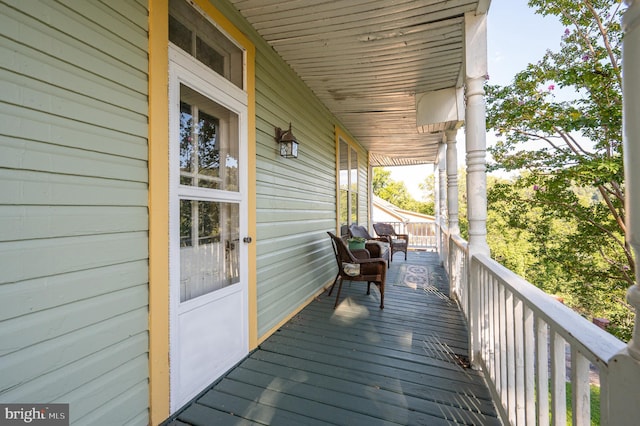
{"x":559,"y":125}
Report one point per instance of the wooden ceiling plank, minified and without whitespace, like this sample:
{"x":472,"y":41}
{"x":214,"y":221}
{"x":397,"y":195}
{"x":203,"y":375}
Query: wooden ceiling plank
{"x":366,"y":59}
{"x":390,"y":18}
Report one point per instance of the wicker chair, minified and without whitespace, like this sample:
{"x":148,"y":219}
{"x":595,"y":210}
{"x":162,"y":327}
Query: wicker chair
{"x":399,"y":242}
{"x":357,"y":266}
{"x":378,"y":247}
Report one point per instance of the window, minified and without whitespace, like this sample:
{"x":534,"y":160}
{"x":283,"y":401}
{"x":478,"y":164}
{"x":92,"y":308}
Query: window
{"x":209,"y":167}
{"x":348,"y":184}
{"x":194,"y":34}
{"x":208,"y":151}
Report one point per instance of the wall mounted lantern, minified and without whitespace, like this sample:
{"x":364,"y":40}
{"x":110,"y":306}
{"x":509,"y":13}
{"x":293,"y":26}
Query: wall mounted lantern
{"x":287,"y":143}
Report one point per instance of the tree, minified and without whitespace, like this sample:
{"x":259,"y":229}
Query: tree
{"x":560,"y":124}
{"x":381,"y":178}
{"x":390,"y":190}
{"x":397,"y":193}
{"x":428,"y":188}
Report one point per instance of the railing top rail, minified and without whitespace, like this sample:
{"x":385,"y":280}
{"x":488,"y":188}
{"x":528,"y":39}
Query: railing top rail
{"x":580,"y":333}
{"x":460,"y":242}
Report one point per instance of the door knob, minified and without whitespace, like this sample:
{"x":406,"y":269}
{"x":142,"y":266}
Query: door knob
{"x":247,"y":240}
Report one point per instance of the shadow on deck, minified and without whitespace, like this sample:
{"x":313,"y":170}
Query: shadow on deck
{"x":359,"y":365}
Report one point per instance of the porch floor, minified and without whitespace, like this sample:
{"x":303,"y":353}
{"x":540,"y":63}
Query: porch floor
{"x":357,"y":364}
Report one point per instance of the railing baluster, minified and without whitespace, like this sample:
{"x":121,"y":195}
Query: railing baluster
{"x":495,"y":336}
{"x":464,"y":279}
{"x":580,"y":389}
{"x":483,"y":322}
{"x":510,"y":355}
{"x":604,"y":397}
{"x":502,"y":346}
{"x":542,"y":364}
{"x":558,"y":380}
{"x":529,"y":366}
{"x":518,"y":331}
{"x":497,"y":352}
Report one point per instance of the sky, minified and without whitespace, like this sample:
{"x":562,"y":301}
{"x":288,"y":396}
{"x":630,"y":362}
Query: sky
{"x":516,"y":36}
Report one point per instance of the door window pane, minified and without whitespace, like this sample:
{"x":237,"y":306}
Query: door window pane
{"x":180,"y":35}
{"x":209,"y":56}
{"x":209,"y":252}
{"x":208,"y":143}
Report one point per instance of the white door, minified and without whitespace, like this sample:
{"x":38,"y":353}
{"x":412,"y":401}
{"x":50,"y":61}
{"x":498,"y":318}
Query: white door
{"x":208,"y":220}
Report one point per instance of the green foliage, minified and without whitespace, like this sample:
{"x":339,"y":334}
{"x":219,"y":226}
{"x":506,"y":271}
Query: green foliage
{"x":381,"y":177}
{"x":562,"y":253}
{"x":397,"y":193}
{"x":463,"y":223}
{"x":428,"y":187}
{"x":594,"y":403}
{"x":560,"y":127}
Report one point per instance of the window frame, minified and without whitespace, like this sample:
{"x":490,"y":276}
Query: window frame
{"x":347,"y":182}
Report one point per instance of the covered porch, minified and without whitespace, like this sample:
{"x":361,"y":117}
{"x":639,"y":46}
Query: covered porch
{"x":357,"y":364}
{"x":91,"y":219}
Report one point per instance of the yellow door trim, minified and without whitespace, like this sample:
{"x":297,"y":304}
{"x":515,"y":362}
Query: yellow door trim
{"x":159,"y":196}
{"x":158,"y":211}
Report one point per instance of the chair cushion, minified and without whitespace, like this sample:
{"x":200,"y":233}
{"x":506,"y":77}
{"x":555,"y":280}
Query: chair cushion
{"x":383,"y":247}
{"x":378,"y":249}
{"x":351,"y":269}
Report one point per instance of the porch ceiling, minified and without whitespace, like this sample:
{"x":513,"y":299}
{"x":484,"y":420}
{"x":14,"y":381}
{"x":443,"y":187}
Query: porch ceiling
{"x":367,"y":60}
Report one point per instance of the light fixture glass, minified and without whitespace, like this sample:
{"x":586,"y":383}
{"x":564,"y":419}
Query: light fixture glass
{"x":287,"y":143}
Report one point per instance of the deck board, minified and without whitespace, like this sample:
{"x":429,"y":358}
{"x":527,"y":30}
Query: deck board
{"x":357,"y":364}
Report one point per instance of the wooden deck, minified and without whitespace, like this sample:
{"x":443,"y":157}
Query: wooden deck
{"x":359,"y":365}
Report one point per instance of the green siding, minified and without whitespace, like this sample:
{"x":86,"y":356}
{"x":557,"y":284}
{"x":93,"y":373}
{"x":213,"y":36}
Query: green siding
{"x":73,"y":207}
{"x":73,"y":202}
{"x":296,"y":198}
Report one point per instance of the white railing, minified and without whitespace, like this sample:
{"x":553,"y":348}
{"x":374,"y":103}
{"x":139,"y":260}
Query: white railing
{"x":457,"y":267}
{"x":531,"y":347}
{"x":443,"y":245}
{"x":422,"y":235}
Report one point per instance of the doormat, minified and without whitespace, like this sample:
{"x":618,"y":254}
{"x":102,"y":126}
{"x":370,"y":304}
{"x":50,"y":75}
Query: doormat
{"x":413,"y":276}
{"x":419,"y":277}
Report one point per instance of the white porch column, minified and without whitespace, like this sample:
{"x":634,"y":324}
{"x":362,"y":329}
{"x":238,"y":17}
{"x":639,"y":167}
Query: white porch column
{"x":476,"y":149}
{"x":452,"y":182}
{"x":442,"y":183}
{"x":475,"y":130}
{"x":624,"y":368}
{"x":631,"y":141}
